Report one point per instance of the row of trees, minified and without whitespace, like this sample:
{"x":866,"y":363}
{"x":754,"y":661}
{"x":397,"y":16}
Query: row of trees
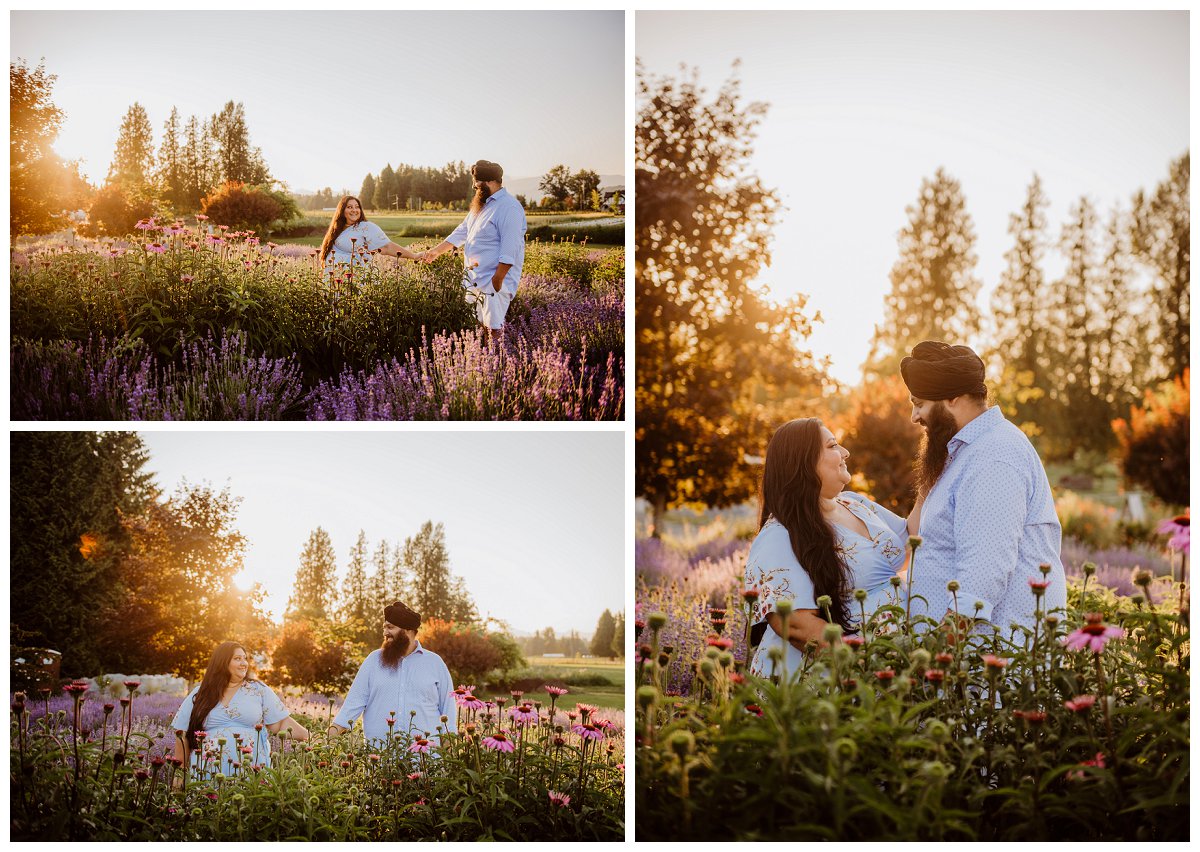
{"x":408,"y":187}
{"x":197,"y":163}
{"x":571,"y":191}
{"x":608,"y":640}
{"x":715,"y":358}
{"x":1074,"y":352}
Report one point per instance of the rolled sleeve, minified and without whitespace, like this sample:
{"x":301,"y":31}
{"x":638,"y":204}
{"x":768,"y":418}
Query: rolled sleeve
{"x":356,"y":698}
{"x":989,"y":517}
{"x":459,"y":235}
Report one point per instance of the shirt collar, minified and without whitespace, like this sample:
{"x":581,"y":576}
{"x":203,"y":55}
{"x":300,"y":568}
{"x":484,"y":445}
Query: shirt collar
{"x":978,"y":427}
{"x":496,"y":194}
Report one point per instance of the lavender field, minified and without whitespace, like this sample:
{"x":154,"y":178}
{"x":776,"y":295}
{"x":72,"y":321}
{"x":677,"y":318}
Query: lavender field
{"x":179,"y":325}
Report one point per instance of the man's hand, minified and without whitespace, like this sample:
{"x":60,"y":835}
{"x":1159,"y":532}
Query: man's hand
{"x":498,"y":283}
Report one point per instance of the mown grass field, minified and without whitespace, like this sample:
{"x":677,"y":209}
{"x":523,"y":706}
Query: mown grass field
{"x":407,"y":228}
{"x":609,"y":696}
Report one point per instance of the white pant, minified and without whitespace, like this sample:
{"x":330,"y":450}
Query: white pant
{"x":490,"y":306}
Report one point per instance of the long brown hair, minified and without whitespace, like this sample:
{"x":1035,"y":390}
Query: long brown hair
{"x":791,"y":493}
{"x":216,"y":678}
{"x":339,"y":224}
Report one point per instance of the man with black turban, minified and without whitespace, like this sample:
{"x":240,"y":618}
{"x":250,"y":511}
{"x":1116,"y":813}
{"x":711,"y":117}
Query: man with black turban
{"x":987,"y":513}
{"x":403,"y":681}
{"x":493,"y":242}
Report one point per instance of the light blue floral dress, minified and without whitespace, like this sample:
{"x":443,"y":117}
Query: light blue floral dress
{"x":773,"y":569}
{"x":254,"y":703}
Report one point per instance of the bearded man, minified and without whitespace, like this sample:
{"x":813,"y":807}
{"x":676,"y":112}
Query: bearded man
{"x":402,"y":678}
{"x":493,"y":241}
{"x":988,"y":519}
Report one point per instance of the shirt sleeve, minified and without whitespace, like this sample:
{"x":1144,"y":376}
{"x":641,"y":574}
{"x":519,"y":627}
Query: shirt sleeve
{"x":459,"y":235}
{"x":273,"y":709}
{"x":989,"y":517}
{"x":446,"y":705}
{"x":184,"y":713}
{"x":512,"y":233}
{"x":356,"y":698}
{"x":778,"y":575}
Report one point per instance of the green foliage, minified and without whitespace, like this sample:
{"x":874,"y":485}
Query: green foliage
{"x":711,"y":350}
{"x":912,"y":737}
{"x":240,"y":206}
{"x":116,"y":210}
{"x":467,"y":650}
{"x":511,"y":658}
{"x":70,"y":495}
{"x":316,"y":654}
{"x":341,"y":789}
{"x":1156,"y":441}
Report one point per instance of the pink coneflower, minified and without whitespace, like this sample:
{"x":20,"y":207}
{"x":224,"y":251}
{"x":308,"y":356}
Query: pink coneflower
{"x":559,"y":799}
{"x":1179,"y":528}
{"x":187,"y":279}
{"x":523,"y":714}
{"x":555,"y":690}
{"x":935,"y":675}
{"x":415,"y":776}
{"x":736,"y":677}
{"x":1097,"y":761}
{"x":586,"y":708}
{"x":750,"y":595}
{"x":1039,"y":586}
{"x":516,"y":694}
{"x":944,"y":659}
{"x":588,"y":731}
{"x":1095,"y":634}
{"x":157,"y":248}
{"x":131,"y":685}
{"x":246,"y":750}
{"x":420,"y":746}
{"x":145,"y":225}
{"x":854,"y":641}
{"x":885,"y":674}
{"x":212,"y":797}
{"x":1035,"y":717}
{"x":76,"y":688}
{"x":1080,"y":703}
{"x":213,"y":240}
{"x":498,"y":742}
{"x":469,"y":702}
{"x":374,"y":758}
{"x":200,"y":217}
{"x":994,"y":663}
{"x":755,"y":709}
{"x":722,"y":642}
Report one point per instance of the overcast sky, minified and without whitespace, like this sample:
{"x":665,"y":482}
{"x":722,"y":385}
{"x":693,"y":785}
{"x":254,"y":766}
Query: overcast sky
{"x":863,"y":105}
{"x":331,"y":96}
{"x":535,"y":521}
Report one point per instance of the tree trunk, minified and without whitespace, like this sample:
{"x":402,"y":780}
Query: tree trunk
{"x":658,"y":508}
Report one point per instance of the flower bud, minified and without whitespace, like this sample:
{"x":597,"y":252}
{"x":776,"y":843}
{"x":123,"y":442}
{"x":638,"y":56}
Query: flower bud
{"x":952,"y":586}
{"x":824,"y":602}
{"x":914,"y":541}
{"x":895,"y":581}
{"x":783,"y":608}
{"x":845,"y":748}
{"x":1089,"y":568}
{"x":657,"y":621}
{"x":832,"y":633}
{"x":647,"y":696}
{"x":860,"y":595}
{"x":682,"y":743}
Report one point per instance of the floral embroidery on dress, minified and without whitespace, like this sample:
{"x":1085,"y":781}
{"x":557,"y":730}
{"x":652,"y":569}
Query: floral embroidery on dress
{"x":771,"y":588}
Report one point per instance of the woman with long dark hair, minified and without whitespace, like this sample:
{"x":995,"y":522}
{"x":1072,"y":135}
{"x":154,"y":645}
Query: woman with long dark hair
{"x":814,"y":540}
{"x":351,"y":239}
{"x":229,"y":705}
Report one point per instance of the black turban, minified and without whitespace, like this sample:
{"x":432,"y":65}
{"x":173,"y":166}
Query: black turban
{"x":401,"y":616}
{"x":937,"y":370}
{"x":484,"y":170}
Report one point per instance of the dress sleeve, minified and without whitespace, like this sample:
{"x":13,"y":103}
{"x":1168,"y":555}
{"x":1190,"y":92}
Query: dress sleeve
{"x":273,"y":709}
{"x":374,"y":238}
{"x":777,"y":574}
{"x":184,"y":713}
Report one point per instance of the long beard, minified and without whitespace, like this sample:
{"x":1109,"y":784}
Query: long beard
{"x":482,"y":194}
{"x":392,"y":651}
{"x":931,"y":460}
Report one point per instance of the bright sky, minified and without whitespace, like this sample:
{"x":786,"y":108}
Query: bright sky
{"x":864,"y":105}
{"x":534,"y":521}
{"x":331,"y":96}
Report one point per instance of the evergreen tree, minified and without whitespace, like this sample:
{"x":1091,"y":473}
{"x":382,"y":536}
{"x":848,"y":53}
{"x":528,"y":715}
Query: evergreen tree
{"x":313,"y":593}
{"x":133,"y":161}
{"x":68,"y":493}
{"x":171,"y":176}
{"x":356,"y":609}
{"x":236,"y":159}
{"x":1019,"y":311}
{"x":1162,"y":240}
{"x":367,"y":194}
{"x":933,"y":282}
{"x":382,"y":584}
{"x":618,"y":643}
{"x":199,"y":167}
{"x":432,"y":590}
{"x":1123,"y":369}
{"x":385,"y":189}
{"x":602,"y":639}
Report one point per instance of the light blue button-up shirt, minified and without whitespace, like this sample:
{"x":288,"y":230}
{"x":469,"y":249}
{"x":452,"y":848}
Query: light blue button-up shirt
{"x":494,"y":235}
{"x":989,"y":522}
{"x":421,"y":682}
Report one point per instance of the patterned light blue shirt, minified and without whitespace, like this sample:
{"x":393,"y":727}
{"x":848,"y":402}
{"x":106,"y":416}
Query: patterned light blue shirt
{"x":989,"y":523}
{"x":494,"y":235}
{"x":421,"y":682}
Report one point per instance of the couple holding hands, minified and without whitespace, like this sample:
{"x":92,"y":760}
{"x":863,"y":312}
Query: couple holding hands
{"x":492,"y":238}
